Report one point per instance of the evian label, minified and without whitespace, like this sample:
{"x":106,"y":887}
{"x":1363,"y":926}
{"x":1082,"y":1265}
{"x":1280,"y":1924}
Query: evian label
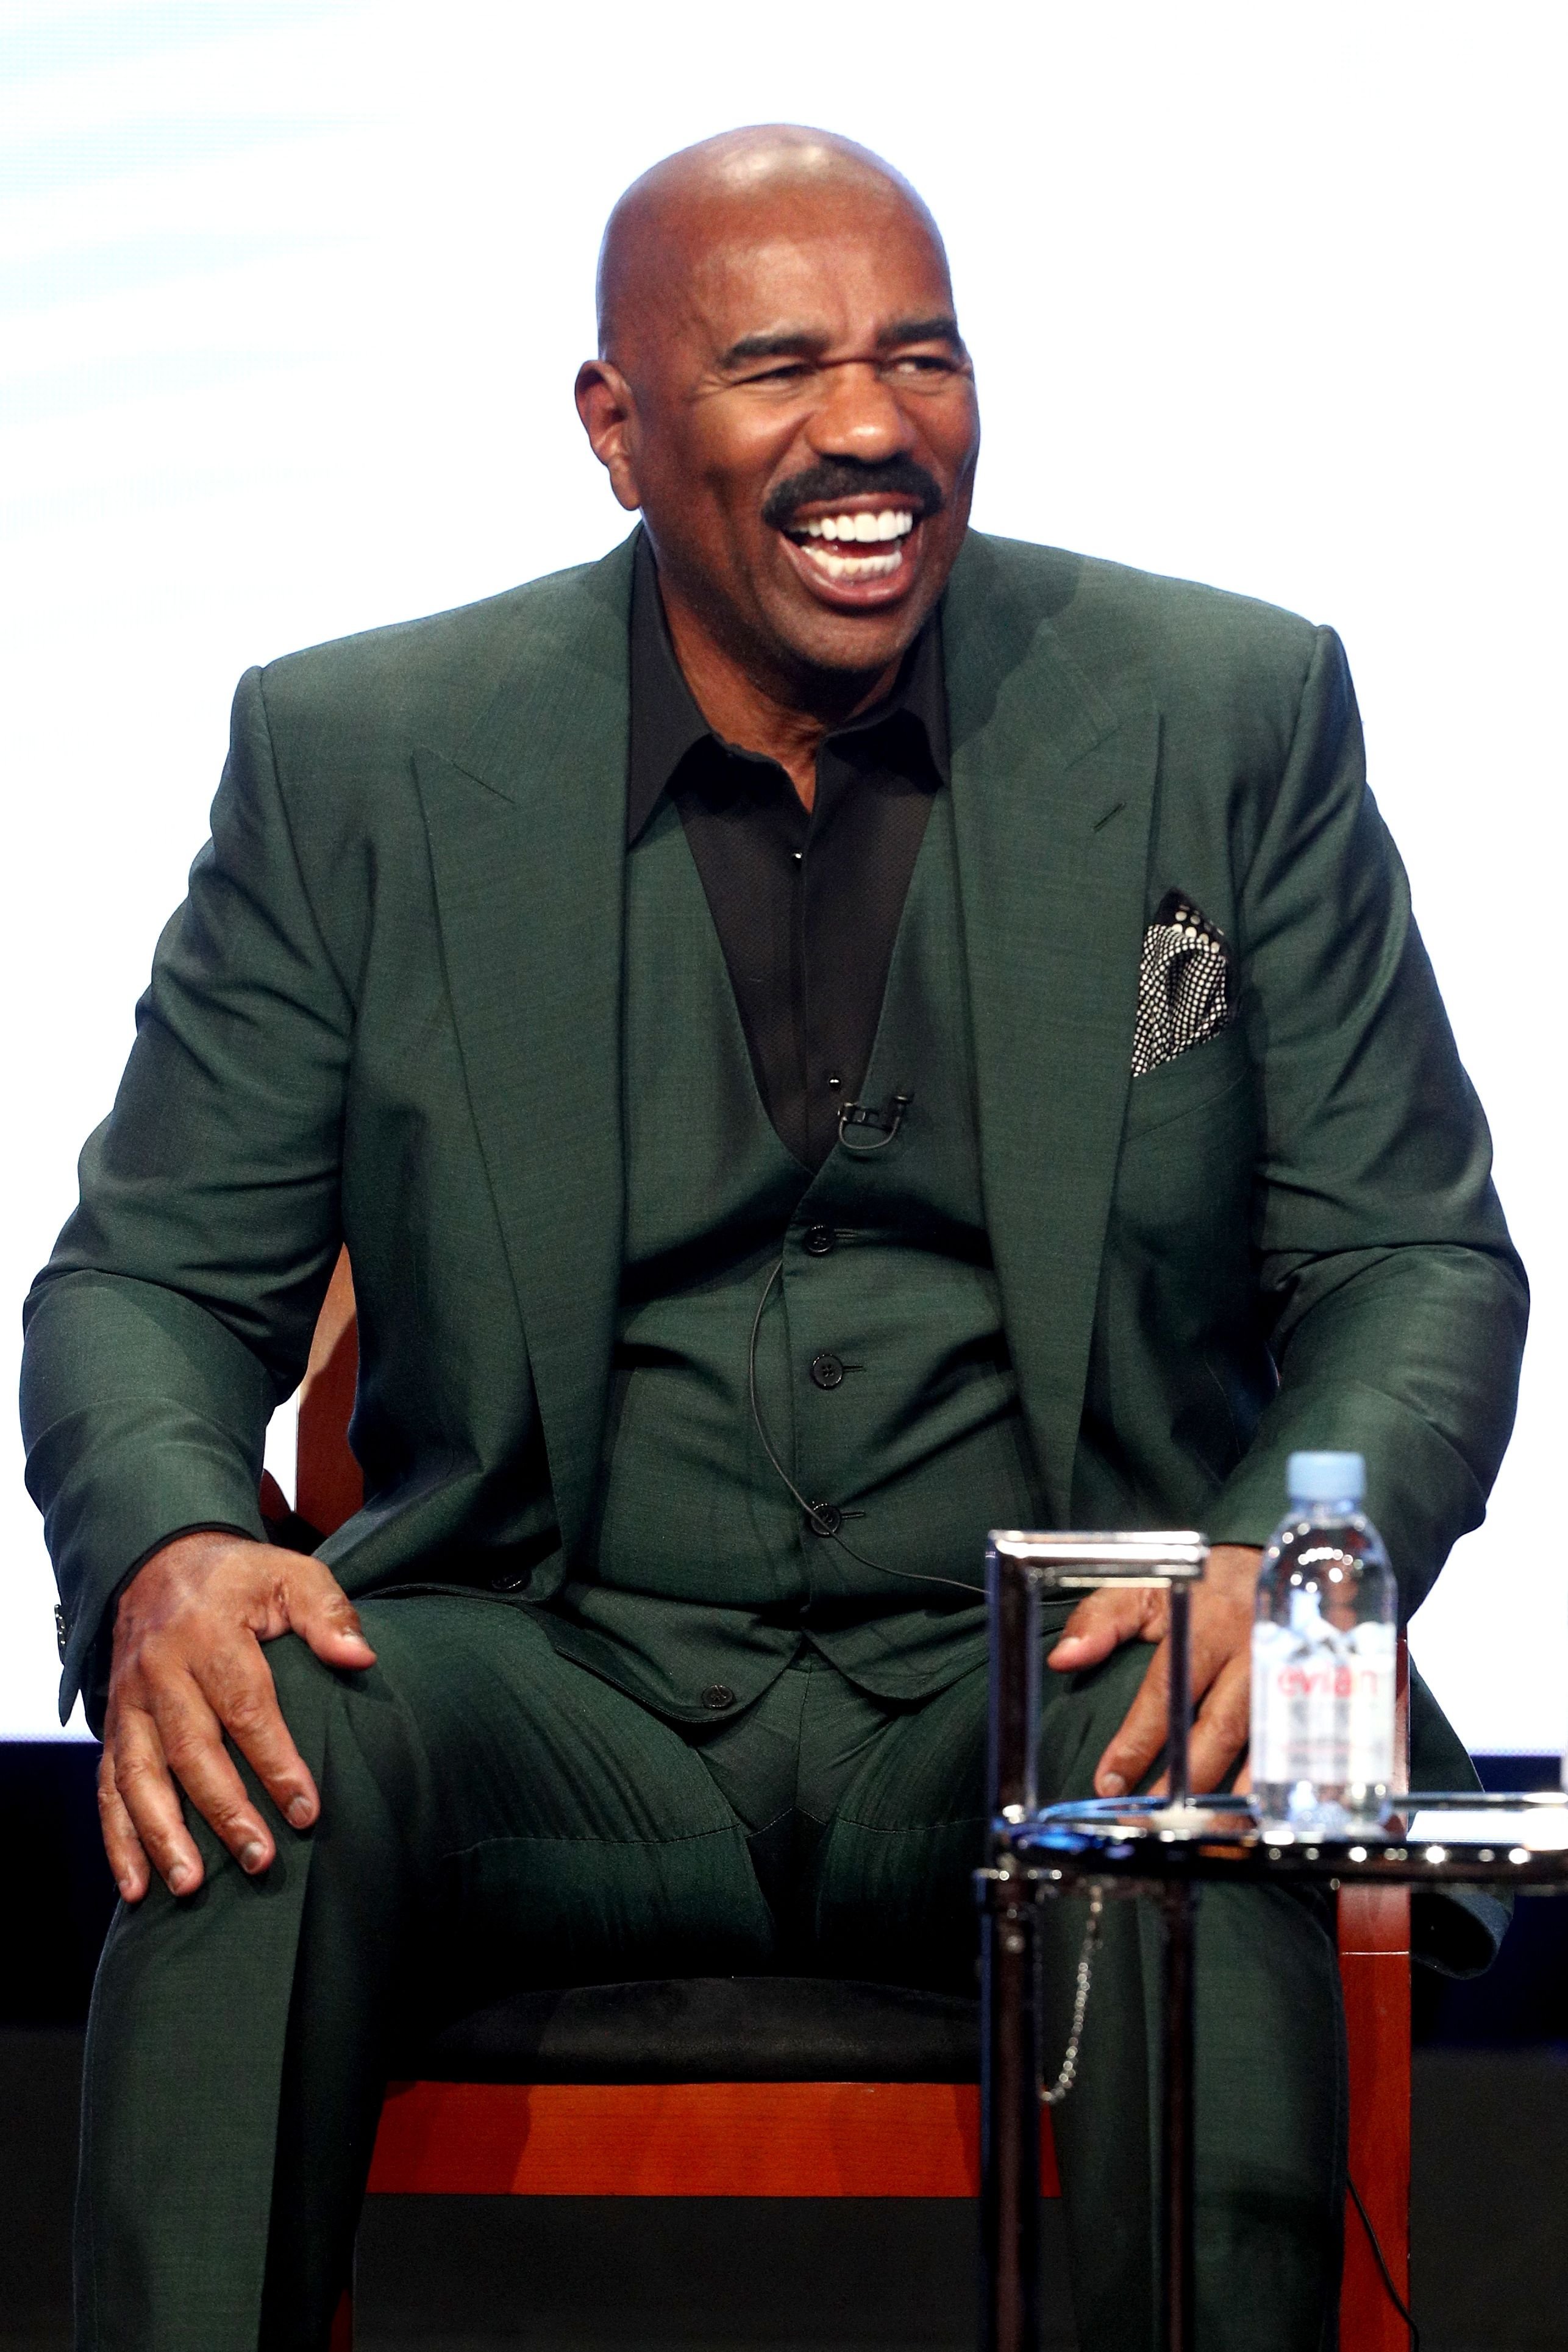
{"x":1323,"y":1702}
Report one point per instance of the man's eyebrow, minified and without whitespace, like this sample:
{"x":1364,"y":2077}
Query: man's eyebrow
{"x":942,"y":328}
{"x":804,"y":342}
{"x":785,"y":342}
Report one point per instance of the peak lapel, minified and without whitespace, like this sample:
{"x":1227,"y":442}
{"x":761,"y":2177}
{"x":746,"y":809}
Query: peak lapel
{"x":1053,"y":783}
{"x":526,"y":824}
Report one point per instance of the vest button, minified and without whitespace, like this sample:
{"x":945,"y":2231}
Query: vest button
{"x":823,"y":1519}
{"x":717,"y":1696}
{"x":819,"y":1240}
{"x":826,"y":1369}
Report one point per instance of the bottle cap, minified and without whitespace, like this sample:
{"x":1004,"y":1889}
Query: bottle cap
{"x":1325,"y":1477}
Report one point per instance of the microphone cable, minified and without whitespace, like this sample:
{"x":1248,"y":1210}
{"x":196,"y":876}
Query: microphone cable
{"x":1396,"y":2298}
{"x":817,"y":1515}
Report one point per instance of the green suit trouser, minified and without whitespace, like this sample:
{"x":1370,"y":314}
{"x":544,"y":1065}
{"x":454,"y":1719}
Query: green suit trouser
{"x":493,"y":1815}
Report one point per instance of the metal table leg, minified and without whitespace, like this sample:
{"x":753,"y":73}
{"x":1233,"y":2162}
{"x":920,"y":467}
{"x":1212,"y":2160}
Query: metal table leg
{"x":1176,"y":1906}
{"x":1009,"y":2095}
{"x":1010,"y":2126}
{"x":1176,"y":2273}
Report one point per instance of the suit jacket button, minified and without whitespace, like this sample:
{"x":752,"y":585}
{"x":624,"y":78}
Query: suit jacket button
{"x":62,"y":1634}
{"x":819,"y":1240}
{"x":717,"y":1695}
{"x":823,"y":1519}
{"x":826,"y":1369}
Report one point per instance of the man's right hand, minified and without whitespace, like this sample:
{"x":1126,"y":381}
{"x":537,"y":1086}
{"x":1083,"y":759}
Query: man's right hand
{"x":188,"y":1668}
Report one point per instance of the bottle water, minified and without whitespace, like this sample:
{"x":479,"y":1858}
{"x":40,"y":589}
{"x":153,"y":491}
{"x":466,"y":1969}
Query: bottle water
{"x":1324,"y":1658}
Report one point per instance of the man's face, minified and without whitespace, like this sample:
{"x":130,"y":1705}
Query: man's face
{"x":802,"y":431}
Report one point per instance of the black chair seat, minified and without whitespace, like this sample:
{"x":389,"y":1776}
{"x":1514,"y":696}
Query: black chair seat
{"x":708,"y":2029}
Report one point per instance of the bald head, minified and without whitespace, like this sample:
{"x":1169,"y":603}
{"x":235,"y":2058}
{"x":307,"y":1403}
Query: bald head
{"x":780,"y":371}
{"x":773,"y":179}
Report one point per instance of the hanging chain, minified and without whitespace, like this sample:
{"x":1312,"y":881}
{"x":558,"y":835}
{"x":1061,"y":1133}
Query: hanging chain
{"x":1068,"y":2073}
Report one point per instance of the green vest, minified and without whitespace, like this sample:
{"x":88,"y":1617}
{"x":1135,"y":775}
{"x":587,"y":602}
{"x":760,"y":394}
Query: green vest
{"x":882,"y":1377}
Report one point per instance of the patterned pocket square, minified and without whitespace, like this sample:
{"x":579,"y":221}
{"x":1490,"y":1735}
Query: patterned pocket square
{"x":1184,"y":985}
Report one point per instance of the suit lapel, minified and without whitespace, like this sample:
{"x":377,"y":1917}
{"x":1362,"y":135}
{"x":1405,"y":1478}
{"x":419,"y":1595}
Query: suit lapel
{"x":526,"y":823}
{"x":1053,"y":783}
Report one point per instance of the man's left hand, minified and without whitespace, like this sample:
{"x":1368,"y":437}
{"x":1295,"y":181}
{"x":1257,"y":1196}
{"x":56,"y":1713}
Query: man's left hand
{"x":1221,"y":1675}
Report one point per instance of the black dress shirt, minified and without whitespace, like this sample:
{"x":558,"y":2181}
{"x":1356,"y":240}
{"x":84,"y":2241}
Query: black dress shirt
{"x":807,"y":904}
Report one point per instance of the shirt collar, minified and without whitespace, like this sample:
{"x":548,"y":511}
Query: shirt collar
{"x":666,"y":725}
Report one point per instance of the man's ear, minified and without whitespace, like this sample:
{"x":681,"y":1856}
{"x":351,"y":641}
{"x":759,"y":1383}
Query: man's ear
{"x":605,"y":405}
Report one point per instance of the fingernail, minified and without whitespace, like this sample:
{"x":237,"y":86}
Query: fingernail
{"x":253,"y":1855}
{"x":179,"y":1878}
{"x":299,"y":1813}
{"x":1111,"y":1784}
{"x":127,"y":1888}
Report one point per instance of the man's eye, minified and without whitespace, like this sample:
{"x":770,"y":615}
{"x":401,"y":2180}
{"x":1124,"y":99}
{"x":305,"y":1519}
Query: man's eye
{"x":922,"y":364}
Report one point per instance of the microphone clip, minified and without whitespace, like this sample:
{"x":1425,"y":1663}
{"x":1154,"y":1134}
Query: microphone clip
{"x":887,"y":1121}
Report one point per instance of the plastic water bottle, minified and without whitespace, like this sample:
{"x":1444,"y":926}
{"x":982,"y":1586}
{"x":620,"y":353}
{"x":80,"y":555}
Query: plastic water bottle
{"x":1323,"y":1657}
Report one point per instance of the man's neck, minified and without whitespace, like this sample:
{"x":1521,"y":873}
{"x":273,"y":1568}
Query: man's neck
{"x":761,"y":716}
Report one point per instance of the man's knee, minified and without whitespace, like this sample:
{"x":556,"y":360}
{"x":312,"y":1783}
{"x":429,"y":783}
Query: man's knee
{"x":353,"y":1729}
{"x":439,"y":1661}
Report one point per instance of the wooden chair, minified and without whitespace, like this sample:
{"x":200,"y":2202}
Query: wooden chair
{"x":888,"y":2106}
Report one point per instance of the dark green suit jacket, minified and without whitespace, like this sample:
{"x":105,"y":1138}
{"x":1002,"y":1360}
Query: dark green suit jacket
{"x":389,"y":1013}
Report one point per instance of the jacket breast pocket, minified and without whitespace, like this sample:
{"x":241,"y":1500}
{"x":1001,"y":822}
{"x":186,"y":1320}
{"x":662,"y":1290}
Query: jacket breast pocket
{"x":1182,"y":1201}
{"x":1200,"y":1077}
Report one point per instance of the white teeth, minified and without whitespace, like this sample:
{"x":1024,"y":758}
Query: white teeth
{"x":893,"y":522}
{"x":856,"y":567}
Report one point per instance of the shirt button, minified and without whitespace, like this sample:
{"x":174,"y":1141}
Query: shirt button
{"x":826,"y":1369}
{"x":819,"y":1240}
{"x":717,"y":1695}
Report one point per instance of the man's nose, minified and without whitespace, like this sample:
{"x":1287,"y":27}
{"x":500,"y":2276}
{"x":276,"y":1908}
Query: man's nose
{"x":858,"y":417}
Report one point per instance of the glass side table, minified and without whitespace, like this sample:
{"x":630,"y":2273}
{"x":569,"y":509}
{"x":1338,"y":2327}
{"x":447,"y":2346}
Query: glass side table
{"x":1159,"y":1848}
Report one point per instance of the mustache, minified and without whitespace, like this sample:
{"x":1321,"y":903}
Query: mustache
{"x":839,"y":477}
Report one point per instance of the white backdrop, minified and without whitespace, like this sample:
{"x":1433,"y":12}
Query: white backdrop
{"x":293,"y":296}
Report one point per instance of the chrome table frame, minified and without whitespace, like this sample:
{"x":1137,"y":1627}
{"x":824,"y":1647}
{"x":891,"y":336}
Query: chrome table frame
{"x":1158,"y":1848}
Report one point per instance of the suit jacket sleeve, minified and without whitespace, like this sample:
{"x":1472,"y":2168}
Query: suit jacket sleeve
{"x":176,"y":1311}
{"x":1396,"y":1304}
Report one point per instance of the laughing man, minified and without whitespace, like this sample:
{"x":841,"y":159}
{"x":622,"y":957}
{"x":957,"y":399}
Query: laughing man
{"x":823,"y":1033}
